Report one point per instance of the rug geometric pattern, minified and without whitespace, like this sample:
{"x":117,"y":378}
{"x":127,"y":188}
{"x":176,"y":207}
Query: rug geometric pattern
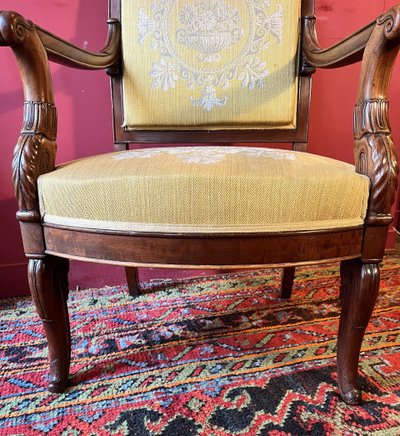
{"x":215,"y":356}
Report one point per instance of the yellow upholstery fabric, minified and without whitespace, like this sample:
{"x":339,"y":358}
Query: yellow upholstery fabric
{"x":205,"y":189}
{"x":212,"y":64}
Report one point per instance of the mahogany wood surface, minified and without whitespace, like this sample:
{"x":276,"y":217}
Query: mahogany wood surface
{"x":361,"y":249}
{"x":207,"y":249}
{"x":360,"y":285}
{"x":48,"y":283}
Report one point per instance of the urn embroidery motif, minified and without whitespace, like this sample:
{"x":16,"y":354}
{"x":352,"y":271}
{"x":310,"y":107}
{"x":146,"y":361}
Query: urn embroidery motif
{"x":210,"y":27}
{"x":211,"y":31}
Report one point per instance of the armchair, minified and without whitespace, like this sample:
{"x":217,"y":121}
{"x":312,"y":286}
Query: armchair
{"x":212,"y":73}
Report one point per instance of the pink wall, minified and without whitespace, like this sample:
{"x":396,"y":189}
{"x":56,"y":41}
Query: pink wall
{"x":83,"y":101}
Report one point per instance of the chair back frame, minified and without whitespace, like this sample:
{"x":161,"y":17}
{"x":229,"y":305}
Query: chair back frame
{"x":299,"y":134}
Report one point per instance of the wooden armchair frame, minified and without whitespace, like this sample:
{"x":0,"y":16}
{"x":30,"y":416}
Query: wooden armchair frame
{"x":359,"y":249}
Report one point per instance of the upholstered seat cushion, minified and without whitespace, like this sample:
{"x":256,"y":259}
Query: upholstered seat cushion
{"x":205,"y":189}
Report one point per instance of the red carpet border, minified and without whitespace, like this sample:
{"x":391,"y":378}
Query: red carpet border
{"x":214,"y":356}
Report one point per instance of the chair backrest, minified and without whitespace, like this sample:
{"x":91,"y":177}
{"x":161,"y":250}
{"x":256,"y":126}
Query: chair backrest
{"x":211,"y":71}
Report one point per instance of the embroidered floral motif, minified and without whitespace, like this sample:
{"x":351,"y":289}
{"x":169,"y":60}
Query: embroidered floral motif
{"x":164,"y":74}
{"x":209,"y":27}
{"x":205,"y":155}
{"x":209,"y":99}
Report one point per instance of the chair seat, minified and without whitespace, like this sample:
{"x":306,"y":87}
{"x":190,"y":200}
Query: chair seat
{"x":204,"y":189}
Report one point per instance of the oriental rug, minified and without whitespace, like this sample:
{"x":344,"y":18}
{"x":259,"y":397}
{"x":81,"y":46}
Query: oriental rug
{"x":212,"y":356}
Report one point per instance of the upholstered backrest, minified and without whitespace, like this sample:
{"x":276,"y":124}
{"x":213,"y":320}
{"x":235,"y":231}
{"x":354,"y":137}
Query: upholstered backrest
{"x":210,"y":64}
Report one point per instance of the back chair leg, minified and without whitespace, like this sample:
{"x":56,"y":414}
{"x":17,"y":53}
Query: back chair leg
{"x":360,"y":285}
{"x":62,"y":275}
{"x":132,"y":278}
{"x":48,"y":284}
{"x":287,"y":281}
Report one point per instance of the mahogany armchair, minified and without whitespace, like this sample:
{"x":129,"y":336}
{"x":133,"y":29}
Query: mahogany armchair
{"x":211,"y":73}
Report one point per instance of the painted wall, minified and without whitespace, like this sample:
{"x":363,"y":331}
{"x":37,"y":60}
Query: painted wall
{"x":83,"y":101}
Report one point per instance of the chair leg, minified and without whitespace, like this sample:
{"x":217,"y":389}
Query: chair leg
{"x":360,"y":285}
{"x":287,"y":281}
{"x":48,"y":283}
{"x":62,"y":273}
{"x":132,"y":278}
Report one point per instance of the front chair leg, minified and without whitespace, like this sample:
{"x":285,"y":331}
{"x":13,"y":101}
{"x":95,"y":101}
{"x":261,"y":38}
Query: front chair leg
{"x":48,"y":282}
{"x":360,"y":285}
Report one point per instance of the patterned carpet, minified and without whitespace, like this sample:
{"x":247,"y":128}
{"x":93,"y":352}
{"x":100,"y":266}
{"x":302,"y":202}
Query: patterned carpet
{"x":213,"y":356}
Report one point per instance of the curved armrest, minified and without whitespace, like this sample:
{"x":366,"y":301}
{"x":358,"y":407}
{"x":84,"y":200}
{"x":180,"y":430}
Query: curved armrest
{"x":61,"y":51}
{"x":65,"y":53}
{"x":345,"y":52}
{"x":377,"y":44}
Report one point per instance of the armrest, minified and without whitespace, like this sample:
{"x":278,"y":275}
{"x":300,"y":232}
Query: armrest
{"x":65,"y":53}
{"x":61,"y":51}
{"x":345,"y":52}
{"x":377,"y":44}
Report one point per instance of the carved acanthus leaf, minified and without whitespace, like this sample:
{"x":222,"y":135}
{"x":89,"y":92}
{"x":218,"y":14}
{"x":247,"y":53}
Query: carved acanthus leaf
{"x":375,"y":153}
{"x":35,"y":151}
{"x":34,"y":155}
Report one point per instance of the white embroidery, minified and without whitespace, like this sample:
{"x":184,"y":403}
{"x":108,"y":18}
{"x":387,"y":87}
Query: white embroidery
{"x":253,"y":74}
{"x":205,"y":155}
{"x":209,"y":27}
{"x":209,"y":99}
{"x":164,"y":74}
{"x":146,"y":26}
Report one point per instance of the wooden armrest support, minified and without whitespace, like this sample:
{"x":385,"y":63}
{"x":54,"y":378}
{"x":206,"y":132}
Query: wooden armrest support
{"x":374,"y":151}
{"x":35,"y":151}
{"x":377,"y":44}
